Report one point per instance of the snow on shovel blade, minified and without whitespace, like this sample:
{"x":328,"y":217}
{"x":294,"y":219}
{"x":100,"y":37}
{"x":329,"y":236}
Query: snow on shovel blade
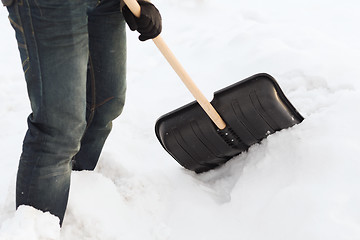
{"x":252,"y":109}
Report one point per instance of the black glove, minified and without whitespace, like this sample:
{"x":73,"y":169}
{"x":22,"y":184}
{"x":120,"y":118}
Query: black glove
{"x":148,"y":24}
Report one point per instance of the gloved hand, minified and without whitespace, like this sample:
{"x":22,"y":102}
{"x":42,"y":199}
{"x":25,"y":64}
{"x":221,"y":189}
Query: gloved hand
{"x":148,"y":24}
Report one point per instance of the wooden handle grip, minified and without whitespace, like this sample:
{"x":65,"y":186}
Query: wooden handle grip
{"x":180,"y":71}
{"x":134,"y":7}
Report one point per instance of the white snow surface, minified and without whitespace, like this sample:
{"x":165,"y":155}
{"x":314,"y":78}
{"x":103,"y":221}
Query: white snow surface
{"x":299,"y":183}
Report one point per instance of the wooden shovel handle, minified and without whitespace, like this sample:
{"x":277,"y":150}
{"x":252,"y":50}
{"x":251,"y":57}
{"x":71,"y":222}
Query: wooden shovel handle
{"x":184,"y":76}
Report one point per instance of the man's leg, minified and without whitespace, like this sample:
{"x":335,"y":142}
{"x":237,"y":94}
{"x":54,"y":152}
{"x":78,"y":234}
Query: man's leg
{"x":53,"y":42}
{"x":106,"y":79}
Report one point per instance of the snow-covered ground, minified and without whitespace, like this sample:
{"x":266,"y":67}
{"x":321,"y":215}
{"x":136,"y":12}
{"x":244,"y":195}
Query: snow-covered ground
{"x":300,"y":183}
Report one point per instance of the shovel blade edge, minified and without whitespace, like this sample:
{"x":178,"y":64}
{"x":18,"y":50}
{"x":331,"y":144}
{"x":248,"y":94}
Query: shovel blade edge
{"x":253,"y":108}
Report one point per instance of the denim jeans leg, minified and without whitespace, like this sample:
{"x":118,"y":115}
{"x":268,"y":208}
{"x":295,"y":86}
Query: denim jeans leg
{"x":53,"y":42}
{"x":106,"y":79}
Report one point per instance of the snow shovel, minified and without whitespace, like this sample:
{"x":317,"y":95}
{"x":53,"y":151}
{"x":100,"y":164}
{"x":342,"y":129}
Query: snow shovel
{"x":201,"y":135}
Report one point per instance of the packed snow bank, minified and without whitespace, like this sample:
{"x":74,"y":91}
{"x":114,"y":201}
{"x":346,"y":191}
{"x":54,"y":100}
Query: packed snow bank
{"x":114,"y":208}
{"x":31,"y":224}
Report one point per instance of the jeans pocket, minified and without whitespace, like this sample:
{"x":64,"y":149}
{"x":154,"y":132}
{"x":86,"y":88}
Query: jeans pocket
{"x":16,"y":23}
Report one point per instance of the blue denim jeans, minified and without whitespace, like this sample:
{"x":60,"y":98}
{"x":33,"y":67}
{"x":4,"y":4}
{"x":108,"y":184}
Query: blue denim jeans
{"x":73,"y":55}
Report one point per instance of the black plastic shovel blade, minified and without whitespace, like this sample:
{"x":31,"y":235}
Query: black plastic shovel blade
{"x":252,"y":109}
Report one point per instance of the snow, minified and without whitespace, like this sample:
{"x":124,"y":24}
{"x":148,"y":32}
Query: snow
{"x":28,"y":223}
{"x":299,"y":183}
